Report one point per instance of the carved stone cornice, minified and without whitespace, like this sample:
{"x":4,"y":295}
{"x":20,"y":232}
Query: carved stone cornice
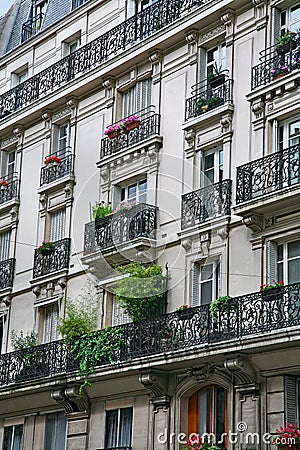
{"x":108,"y":82}
{"x":210,"y":34}
{"x":254,"y":222}
{"x":71,"y":400}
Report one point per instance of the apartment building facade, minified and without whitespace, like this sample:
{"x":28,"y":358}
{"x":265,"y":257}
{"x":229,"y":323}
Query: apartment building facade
{"x":211,"y":182}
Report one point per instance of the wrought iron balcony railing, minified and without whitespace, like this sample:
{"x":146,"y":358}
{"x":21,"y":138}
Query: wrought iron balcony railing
{"x":126,"y":225}
{"x":116,"y":448}
{"x":52,"y":262}
{"x":90,"y":56}
{"x":207,"y":203}
{"x":248,"y":315}
{"x":54,"y":171}
{"x":149,"y":126}
{"x":10,"y":189}
{"x":276,"y":62}
{"x":7,"y":269}
{"x":32,"y":27}
{"x":206,"y":98}
{"x":271,"y":173}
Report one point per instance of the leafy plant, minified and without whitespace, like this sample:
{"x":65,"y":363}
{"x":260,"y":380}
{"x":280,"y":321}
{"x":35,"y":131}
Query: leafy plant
{"x":287,"y":37}
{"x":80,"y":314}
{"x":20,"y":342}
{"x":221,"y":304}
{"x":94,"y":348}
{"x":267,"y":287}
{"x":216,"y":72}
{"x":214,"y":100}
{"x":141,"y":292}
{"x":196,"y":442}
{"x":46,"y":245}
{"x":101,"y":210}
{"x":201,"y":102}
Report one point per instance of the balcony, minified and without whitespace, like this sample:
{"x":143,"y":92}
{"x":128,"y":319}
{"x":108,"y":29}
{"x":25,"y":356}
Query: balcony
{"x":7,"y":269}
{"x":149,"y":127}
{"x":90,"y":56}
{"x":53,"y":262}
{"x":115,"y":448}
{"x":250,"y":316}
{"x":129,"y":226}
{"x":276,"y":62}
{"x":276,"y":173}
{"x":206,"y":98}
{"x":10,"y":188}
{"x":205,"y":204}
{"x":31,"y":27}
{"x":54,"y":171}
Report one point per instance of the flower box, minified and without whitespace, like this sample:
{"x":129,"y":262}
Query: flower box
{"x":113,"y":131}
{"x":47,"y":248}
{"x":113,"y":134}
{"x":130,"y":123}
{"x":53,"y":160}
{"x":217,"y":81}
{"x":3,"y":184}
{"x":285,"y":48}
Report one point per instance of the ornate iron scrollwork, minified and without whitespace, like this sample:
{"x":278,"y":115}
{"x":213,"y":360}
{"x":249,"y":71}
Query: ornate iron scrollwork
{"x":58,"y":260}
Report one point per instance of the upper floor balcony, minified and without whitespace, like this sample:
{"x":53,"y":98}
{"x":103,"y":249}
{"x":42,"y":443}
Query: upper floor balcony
{"x":277,"y":61}
{"x":52,"y":261}
{"x":130,"y":226}
{"x":205,"y":204}
{"x":9,"y":188}
{"x":7,"y":269}
{"x":32,"y":27}
{"x":57,"y":165}
{"x":275,"y":177}
{"x":262,"y":316}
{"x":148,"y":127}
{"x":207,"y":96}
{"x":90,"y":56}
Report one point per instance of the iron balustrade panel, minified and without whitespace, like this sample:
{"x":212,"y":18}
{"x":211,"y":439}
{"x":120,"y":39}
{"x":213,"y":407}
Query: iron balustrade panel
{"x":149,"y":126}
{"x":137,"y":221}
{"x":53,"y":262}
{"x":90,"y":56}
{"x":207,"y":203}
{"x":215,"y":97}
{"x":54,"y":171}
{"x":31,"y":27}
{"x":273,"y":65}
{"x":11,"y":190}
{"x":36,"y":362}
{"x":7,"y":269}
{"x":268,"y":174}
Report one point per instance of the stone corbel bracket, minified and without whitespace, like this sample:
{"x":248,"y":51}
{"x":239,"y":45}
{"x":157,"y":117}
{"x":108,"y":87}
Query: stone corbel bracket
{"x":71,"y":400}
{"x":243,"y":372}
{"x":155,"y":59}
{"x":254,"y":222}
{"x":155,"y":383}
{"x":192,"y":40}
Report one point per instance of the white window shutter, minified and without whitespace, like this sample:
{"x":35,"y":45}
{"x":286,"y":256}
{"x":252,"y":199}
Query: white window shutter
{"x":275,"y":25}
{"x":58,"y":220}
{"x":290,"y":399}
{"x":271,"y":261}
{"x":195,"y":284}
{"x":50,"y":323}
{"x":202,"y":64}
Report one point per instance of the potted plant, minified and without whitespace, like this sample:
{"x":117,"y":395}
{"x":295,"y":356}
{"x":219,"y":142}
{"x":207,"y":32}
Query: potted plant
{"x":202,"y":104}
{"x":288,"y":437}
{"x":53,"y":160}
{"x":130,"y":123}
{"x":221,"y":305}
{"x":217,"y":77}
{"x":26,"y":356}
{"x":184,"y":312}
{"x":196,"y":442}
{"x":287,"y":42}
{"x":3,"y":184}
{"x":113,"y":131}
{"x":279,"y":72}
{"x":101,"y":210}
{"x":273,"y":291}
{"x":213,"y":102}
{"x":47,"y":248}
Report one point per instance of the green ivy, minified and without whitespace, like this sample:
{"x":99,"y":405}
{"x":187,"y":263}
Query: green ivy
{"x":94,"y":348}
{"x":221,"y":304}
{"x":142,"y":292}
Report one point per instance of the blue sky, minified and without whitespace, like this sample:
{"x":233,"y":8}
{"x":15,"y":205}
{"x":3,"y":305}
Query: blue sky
{"x":4,"y":6}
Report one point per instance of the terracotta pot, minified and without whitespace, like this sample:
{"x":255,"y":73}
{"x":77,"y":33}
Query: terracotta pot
{"x":131,"y":126}
{"x":280,"y":75}
{"x":113,"y":134}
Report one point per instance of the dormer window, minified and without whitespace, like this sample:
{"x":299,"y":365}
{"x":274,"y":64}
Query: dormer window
{"x":34,"y":23}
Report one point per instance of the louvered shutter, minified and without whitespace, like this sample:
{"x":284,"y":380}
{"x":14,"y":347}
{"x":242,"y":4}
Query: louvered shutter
{"x":290,"y":399}
{"x":137,"y":98}
{"x":271,"y":261}
{"x":5,"y":239}
{"x":202,"y":64}
{"x":58,"y":219}
{"x":275,"y":25}
{"x":50,"y":323}
{"x":195,"y":284}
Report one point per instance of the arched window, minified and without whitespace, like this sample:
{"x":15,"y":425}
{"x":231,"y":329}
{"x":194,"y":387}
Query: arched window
{"x":208,"y":413}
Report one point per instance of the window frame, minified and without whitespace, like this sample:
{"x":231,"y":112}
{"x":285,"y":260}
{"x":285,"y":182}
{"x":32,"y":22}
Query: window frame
{"x":272,"y":266}
{"x":196,"y":296}
{"x":13,"y":435}
{"x":218,"y":153}
{"x":286,"y":25}
{"x":109,"y":411}
{"x":220,"y":48}
{"x":56,"y":413}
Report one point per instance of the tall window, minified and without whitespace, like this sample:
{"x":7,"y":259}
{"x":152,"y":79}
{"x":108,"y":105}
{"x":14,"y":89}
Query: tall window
{"x":58,"y":220}
{"x":13,"y":438}
{"x":134,"y":192}
{"x":137,"y":98}
{"x":216,"y":56}
{"x":61,"y":139}
{"x":50,"y":318}
{"x":284,"y":261}
{"x":5,"y":239}
{"x":118,"y":429}
{"x":8,"y":163}
{"x":205,"y":283}
{"x":212,"y":166}
{"x":290,"y":19}
{"x":207,"y":412}
{"x":55,"y":431}
{"x":288,"y":133}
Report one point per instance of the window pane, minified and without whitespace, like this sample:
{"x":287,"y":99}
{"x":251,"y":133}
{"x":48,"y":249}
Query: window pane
{"x":220,"y":412}
{"x":132,"y":191}
{"x":294,"y":271}
{"x":7,"y":438}
{"x":280,"y":252}
{"x":280,"y":271}
{"x":204,"y":412}
{"x":207,"y":272}
{"x":125,"y":427}
{"x":50,"y":432}
{"x":18,"y":437}
{"x":293,"y":249}
{"x":61,"y":431}
{"x":206,"y":293}
{"x":111,"y":429}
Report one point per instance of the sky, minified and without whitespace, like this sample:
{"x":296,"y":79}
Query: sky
{"x":4,"y":6}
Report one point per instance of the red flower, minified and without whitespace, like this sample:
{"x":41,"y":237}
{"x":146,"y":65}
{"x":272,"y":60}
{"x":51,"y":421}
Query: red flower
{"x":52,"y":158}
